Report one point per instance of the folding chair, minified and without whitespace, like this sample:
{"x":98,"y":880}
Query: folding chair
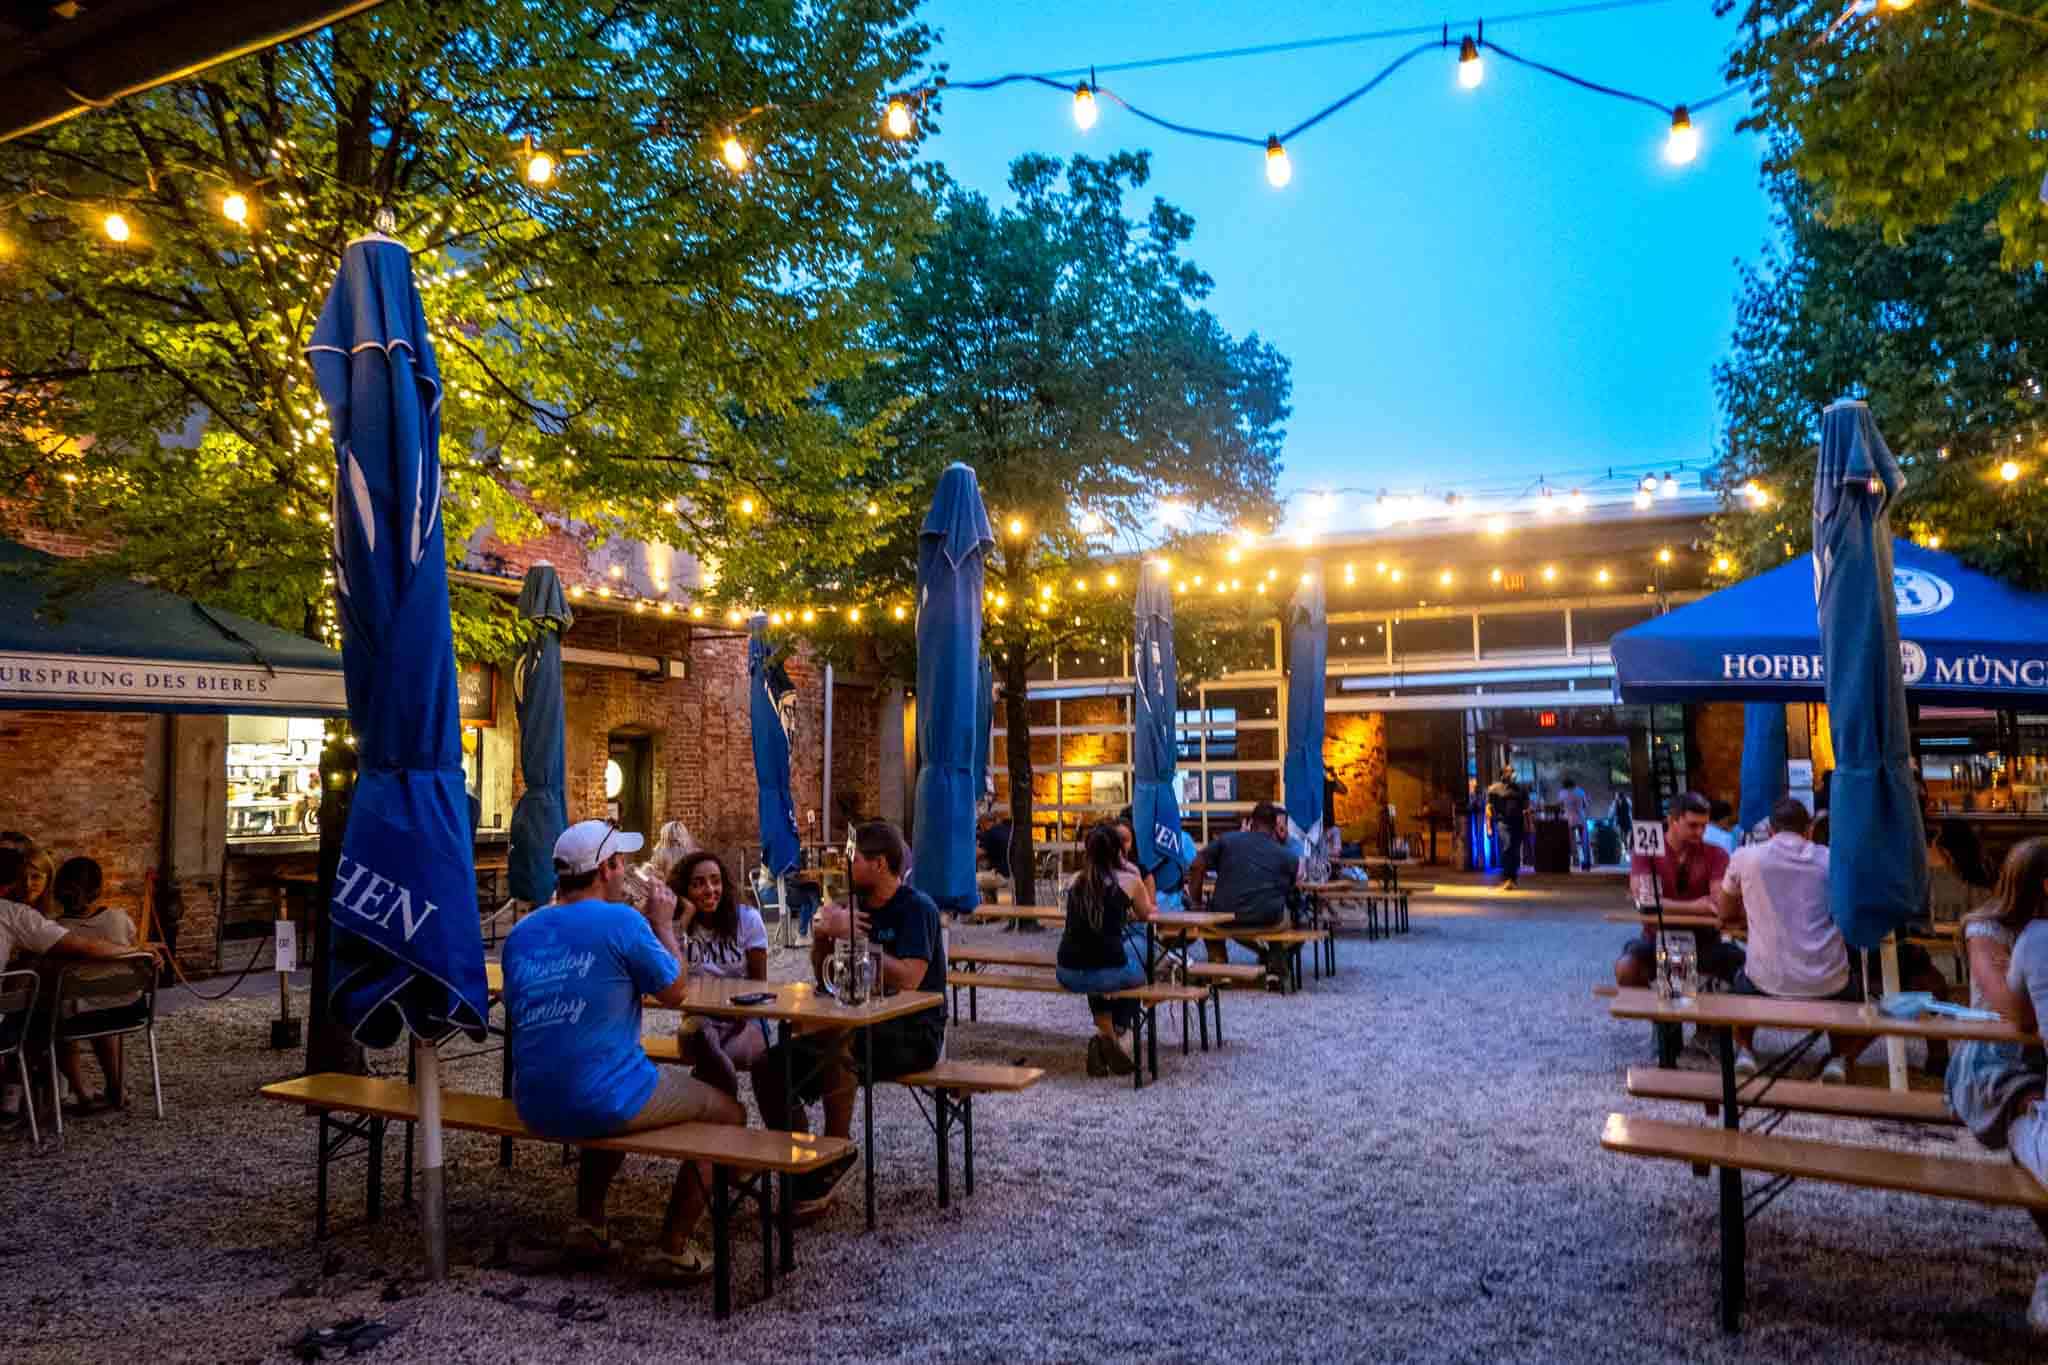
{"x":774,"y":914}
{"x":90,"y":985}
{"x":17,"y":1010}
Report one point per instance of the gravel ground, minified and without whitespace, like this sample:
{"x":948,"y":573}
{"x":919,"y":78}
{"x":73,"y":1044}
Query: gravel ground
{"x":1399,"y":1164}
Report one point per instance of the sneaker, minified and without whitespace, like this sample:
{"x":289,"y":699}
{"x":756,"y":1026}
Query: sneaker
{"x":820,"y":1189}
{"x":1508,"y":885}
{"x":1836,"y":1072}
{"x":1097,"y":1066}
{"x":2037,"y":1308}
{"x":1745,"y":1063}
{"x":586,"y":1243}
{"x":1114,"y":1057}
{"x":688,"y":1266}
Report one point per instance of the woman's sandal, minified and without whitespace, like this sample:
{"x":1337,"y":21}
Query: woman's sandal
{"x":689,"y":1266}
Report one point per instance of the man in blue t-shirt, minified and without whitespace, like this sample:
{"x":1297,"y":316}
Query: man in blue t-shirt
{"x":902,"y":923}
{"x":575,"y":972}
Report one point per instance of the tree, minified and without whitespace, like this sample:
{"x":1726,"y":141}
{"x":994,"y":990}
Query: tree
{"x":1942,"y":341}
{"x":632,"y":333}
{"x":1060,"y":348}
{"x":1895,"y":115}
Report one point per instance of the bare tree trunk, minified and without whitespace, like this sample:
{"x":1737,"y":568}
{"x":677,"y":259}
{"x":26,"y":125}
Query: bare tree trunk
{"x":1017,"y":754}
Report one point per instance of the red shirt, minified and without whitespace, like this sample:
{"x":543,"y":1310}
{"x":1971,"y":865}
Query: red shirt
{"x":1686,"y":874}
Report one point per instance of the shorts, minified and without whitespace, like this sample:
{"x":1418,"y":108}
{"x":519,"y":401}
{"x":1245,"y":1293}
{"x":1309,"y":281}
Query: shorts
{"x":1719,"y":958}
{"x":1850,"y":994}
{"x":678,"y":1097}
{"x":901,"y":1047}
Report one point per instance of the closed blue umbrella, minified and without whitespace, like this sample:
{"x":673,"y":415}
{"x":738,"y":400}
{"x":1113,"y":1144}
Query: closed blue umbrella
{"x":1308,"y":654}
{"x":543,"y":810}
{"x":1763,"y":761}
{"x":1155,"y":807}
{"x":1880,"y":878}
{"x":774,"y":805}
{"x":951,"y":550}
{"x":408,"y":950}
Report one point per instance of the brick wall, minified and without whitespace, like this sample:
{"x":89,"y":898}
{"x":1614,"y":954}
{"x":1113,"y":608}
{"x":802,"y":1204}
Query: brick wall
{"x":1717,"y":734}
{"x":1355,"y":748}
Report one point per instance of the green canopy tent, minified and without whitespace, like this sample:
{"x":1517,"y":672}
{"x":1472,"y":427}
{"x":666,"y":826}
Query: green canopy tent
{"x":124,"y":646}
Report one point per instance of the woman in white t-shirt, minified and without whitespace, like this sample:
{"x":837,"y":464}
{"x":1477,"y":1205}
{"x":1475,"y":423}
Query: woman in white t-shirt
{"x":721,"y":938}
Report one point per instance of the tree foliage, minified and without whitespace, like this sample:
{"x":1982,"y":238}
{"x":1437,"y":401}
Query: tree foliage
{"x":1060,"y":347}
{"x":637,"y":345}
{"x":1943,"y":342}
{"x":1897,"y":116}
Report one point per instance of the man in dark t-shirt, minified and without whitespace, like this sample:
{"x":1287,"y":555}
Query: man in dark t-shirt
{"x":1255,"y":876}
{"x":902,"y":923}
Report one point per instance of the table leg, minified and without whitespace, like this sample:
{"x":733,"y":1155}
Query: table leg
{"x":1151,"y":953}
{"x":944,"y":1125}
{"x":320,"y":1178}
{"x":505,"y":1089}
{"x":376,"y":1195}
{"x":867,"y":1123}
{"x":721,"y":1244}
{"x":967,"y":1139}
{"x":1894,"y":1045}
{"x":786,"y":1181}
{"x":764,"y":1195}
{"x":1734,"y":1235}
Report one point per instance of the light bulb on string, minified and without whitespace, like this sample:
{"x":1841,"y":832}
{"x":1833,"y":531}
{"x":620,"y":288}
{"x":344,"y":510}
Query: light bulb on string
{"x":1279,"y":170}
{"x":235,"y":208}
{"x":1683,"y":144}
{"x":2009,"y":471}
{"x":1670,"y":486}
{"x":1642,"y":499}
{"x":1471,"y":70}
{"x":1085,"y":109}
{"x":116,"y":227}
{"x":540,"y":168}
{"x":734,"y":152}
{"x":1577,"y":501}
{"x":896,"y":119}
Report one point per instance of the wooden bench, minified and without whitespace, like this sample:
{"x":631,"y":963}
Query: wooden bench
{"x":1148,"y":998}
{"x":753,"y":1154}
{"x":1799,"y":1097}
{"x":1211,"y":975}
{"x":1289,"y":938}
{"x":953,"y":1086}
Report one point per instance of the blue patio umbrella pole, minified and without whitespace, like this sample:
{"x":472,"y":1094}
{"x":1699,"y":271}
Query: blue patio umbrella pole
{"x":543,"y":810}
{"x":1308,"y":654}
{"x":984,"y":725}
{"x":951,"y":552}
{"x":1878,"y":876}
{"x":774,"y":803}
{"x":407,"y":944}
{"x":1155,"y":804}
{"x":1763,"y":761}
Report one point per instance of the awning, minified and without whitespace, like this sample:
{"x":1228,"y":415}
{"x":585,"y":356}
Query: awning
{"x":1965,"y":639}
{"x":57,"y":60}
{"x":127,"y":647}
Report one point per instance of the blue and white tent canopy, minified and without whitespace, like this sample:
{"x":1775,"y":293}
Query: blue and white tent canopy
{"x":1965,"y":639}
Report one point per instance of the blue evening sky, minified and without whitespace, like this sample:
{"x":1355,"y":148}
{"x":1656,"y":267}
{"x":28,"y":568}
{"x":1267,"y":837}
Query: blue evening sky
{"x":1474,"y":287}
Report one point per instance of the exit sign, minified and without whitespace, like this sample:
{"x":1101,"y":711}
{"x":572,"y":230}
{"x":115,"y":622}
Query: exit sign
{"x":1517,"y":582}
{"x":1546,"y":720}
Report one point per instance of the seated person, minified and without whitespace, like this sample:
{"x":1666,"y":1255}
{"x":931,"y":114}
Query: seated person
{"x":994,"y":843}
{"x":1687,"y":873}
{"x":26,"y":930}
{"x":721,"y":938}
{"x":1255,"y":878}
{"x":1721,"y":831}
{"x":77,"y":889}
{"x":1096,"y":957}
{"x":901,"y":923}
{"x":574,"y":975}
{"x":1779,"y":891}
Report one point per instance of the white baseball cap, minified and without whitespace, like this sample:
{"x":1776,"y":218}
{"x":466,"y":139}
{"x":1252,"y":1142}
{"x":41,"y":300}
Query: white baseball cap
{"x":587,"y":843}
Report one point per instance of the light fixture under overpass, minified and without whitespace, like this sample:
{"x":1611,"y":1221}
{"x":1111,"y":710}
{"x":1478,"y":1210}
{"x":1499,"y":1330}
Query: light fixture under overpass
{"x":60,"y":60}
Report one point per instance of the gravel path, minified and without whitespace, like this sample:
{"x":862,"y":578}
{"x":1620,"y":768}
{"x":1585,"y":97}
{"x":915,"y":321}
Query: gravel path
{"x":1399,"y":1164}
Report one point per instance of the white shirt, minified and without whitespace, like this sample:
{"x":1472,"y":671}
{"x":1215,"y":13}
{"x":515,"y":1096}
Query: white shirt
{"x":726,"y":957}
{"x":23,"y":927}
{"x":1794,"y":947}
{"x":1576,"y":806}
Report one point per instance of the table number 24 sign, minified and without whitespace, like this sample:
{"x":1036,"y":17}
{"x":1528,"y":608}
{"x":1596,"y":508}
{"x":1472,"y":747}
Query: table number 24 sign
{"x":1645,"y":840}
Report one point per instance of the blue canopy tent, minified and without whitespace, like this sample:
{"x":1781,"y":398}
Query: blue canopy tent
{"x":1308,"y":652}
{"x":1155,"y":807}
{"x":1965,"y":639}
{"x":950,"y":553}
{"x":543,"y":810}
{"x":407,"y":946}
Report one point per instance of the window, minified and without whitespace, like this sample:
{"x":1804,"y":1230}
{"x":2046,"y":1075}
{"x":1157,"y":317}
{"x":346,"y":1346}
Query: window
{"x":274,"y":777}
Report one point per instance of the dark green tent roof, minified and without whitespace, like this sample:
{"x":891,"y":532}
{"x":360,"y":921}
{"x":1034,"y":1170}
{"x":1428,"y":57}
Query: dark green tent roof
{"x":125,"y":646}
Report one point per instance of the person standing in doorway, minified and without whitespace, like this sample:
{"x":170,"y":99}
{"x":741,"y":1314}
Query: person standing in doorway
{"x":1508,"y":804}
{"x":1577,"y":807}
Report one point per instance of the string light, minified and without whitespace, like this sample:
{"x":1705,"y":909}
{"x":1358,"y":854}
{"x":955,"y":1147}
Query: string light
{"x":1577,"y":501}
{"x":874,"y":509}
{"x":898,"y":613}
{"x":735,"y":153}
{"x":1279,"y":170}
{"x":853,"y":615}
{"x":116,"y":227}
{"x":1549,"y":573}
{"x":1720,"y":563}
{"x":1642,"y":500}
{"x":746,"y":507}
{"x":1110,"y":578}
{"x":1601,"y":578}
{"x":896,"y":120}
{"x":1444,"y":579}
{"x":235,"y":208}
{"x":1670,"y":486}
{"x":2009,"y":471}
{"x":1016,"y":527}
{"x":1683,"y":144}
{"x":1496,"y":525}
{"x":1471,"y":70}
{"x":1495,"y":575}
{"x":1085,"y":110}
{"x":540,"y":169}
{"x":1664,"y":555}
